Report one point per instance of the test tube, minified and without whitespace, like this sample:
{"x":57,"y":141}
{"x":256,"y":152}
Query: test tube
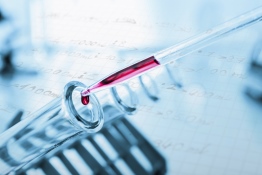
{"x":59,"y":121}
{"x":254,"y":82}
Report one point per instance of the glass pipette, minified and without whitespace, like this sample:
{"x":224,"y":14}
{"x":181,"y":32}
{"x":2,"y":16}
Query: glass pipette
{"x":175,"y":52}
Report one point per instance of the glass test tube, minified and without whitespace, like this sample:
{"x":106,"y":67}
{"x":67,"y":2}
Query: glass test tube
{"x":48,"y":128}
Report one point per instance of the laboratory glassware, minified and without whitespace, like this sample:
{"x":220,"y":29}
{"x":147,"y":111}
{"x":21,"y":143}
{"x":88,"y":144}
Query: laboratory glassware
{"x":175,"y":52}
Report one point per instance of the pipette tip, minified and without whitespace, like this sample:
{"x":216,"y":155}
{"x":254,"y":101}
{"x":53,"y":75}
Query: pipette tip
{"x":85,"y":92}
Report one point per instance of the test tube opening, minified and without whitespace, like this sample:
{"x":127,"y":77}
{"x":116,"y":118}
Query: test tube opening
{"x":125,"y":98}
{"x":149,"y":86}
{"x":88,"y":117}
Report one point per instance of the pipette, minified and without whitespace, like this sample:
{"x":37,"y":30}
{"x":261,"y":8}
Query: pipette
{"x":175,"y":52}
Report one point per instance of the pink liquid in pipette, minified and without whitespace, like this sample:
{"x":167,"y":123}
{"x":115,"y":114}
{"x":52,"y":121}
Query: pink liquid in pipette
{"x":120,"y":76}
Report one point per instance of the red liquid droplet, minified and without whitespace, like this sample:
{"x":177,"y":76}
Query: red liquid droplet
{"x":85,"y":100}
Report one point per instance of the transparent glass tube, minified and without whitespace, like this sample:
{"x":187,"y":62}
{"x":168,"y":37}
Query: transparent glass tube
{"x":175,"y":52}
{"x":57,"y":122}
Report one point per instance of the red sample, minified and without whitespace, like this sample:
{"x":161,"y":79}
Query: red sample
{"x":85,"y":100}
{"x":120,"y":76}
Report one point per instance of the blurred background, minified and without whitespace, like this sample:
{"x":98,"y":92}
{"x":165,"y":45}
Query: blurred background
{"x":208,"y":124}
